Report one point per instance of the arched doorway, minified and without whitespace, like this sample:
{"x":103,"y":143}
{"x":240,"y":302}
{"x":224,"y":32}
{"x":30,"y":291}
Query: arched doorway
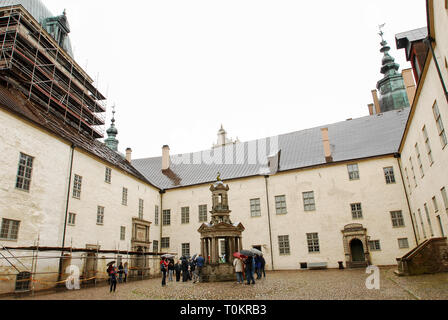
{"x":357,"y":251}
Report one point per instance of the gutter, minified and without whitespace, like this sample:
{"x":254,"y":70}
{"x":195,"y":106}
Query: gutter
{"x":161,"y":192}
{"x":398,"y":157}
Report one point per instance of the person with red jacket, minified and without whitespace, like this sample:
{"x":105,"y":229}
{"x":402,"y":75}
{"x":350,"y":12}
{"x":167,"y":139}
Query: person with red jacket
{"x":163,"y":269}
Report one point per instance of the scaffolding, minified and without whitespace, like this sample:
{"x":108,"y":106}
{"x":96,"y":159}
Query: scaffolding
{"x":32,"y":61}
{"x":37,"y":270}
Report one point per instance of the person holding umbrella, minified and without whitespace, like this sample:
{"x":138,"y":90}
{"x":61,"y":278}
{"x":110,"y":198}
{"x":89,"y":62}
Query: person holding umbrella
{"x":184,"y":269}
{"x":178,"y":269}
{"x":163,"y":269}
{"x":112,"y":276}
{"x":238,"y":265}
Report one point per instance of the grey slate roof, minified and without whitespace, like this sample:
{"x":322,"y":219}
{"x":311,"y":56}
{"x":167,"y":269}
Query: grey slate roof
{"x":350,"y":140}
{"x":404,"y":40}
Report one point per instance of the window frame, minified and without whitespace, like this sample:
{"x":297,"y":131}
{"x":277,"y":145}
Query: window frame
{"x":255,"y":207}
{"x":280,"y":210}
{"x":13,"y":229}
{"x":156,"y":215}
{"x":428,"y":145}
{"x":77,"y":187}
{"x":100,"y":215}
{"x":165,"y":243}
{"x":357,"y":213}
{"x":353,"y":175}
{"x":124,"y":196}
{"x":186,"y":249}
{"x":108,"y":175}
{"x":185,"y":215}
{"x":284,"y":245}
{"x":24,"y":172}
{"x":141,"y":208}
{"x":389,"y":175}
{"x":397,"y":222}
{"x":400,"y":243}
{"x":166,"y":217}
{"x":439,"y":125}
{"x":374,"y":245}
{"x":309,"y":203}
{"x":313,"y":242}
{"x":122,"y":233}
{"x":71,"y":219}
{"x":202,"y":213}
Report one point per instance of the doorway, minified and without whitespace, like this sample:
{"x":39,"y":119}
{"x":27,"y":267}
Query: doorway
{"x":357,"y":251}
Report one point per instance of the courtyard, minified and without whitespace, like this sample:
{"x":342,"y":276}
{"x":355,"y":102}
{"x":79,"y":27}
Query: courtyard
{"x":348,"y":284}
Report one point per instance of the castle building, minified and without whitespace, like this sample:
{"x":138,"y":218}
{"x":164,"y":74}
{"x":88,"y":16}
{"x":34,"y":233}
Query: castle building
{"x":357,"y":192}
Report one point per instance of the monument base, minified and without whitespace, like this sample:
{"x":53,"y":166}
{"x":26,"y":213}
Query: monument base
{"x":218,"y":273}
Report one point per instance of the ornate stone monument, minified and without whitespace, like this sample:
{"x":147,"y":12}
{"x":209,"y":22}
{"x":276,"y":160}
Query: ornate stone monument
{"x":220,"y":238}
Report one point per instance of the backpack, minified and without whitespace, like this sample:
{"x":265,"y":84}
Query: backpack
{"x":162,"y":267}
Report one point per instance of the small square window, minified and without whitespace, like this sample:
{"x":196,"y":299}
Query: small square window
{"x":71,"y":219}
{"x":403,"y":243}
{"x":356,"y":210}
{"x":9,"y":229}
{"x":280,"y":204}
{"x":353,"y":171}
{"x":397,"y":219}
{"x":165,"y":243}
{"x":255,"y":208}
{"x":375,"y":245}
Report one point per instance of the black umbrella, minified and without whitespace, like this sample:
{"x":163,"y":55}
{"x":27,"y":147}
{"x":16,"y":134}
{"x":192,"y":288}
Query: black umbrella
{"x":247,"y":253}
{"x":194,"y":257}
{"x":110,"y":263}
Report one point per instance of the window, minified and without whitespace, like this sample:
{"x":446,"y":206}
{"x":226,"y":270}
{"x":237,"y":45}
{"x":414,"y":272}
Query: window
{"x":413,"y":172}
{"x":419,"y":160}
{"x":71,"y":219}
{"x":308,"y":201}
{"x":353,"y":171}
{"x":313,"y":242}
{"x":185,"y":213}
{"x":122,"y":233}
{"x":23,"y":281}
{"x":203,"y":213}
{"x":407,"y":179}
{"x":166,"y":217}
{"x":439,"y":124}
{"x":23,"y":180}
{"x":280,"y":204}
{"x":439,"y":220}
{"x":283,"y":244}
{"x":100,"y":215}
{"x":165,"y":243}
{"x":186,"y":249}
{"x":435,"y":204}
{"x":445,"y":198}
{"x":429,"y":220}
{"x":108,"y":175}
{"x":9,"y":230}
{"x":155,"y":246}
{"x":416,"y":226}
{"x":403,"y":243}
{"x":356,"y":210}
{"x":140,"y":208}
{"x":124,"y":197}
{"x":397,"y":219}
{"x":255,"y":209}
{"x":77,"y":187}
{"x":389,"y":175}
{"x":428,"y":146}
{"x":422,"y":224}
{"x":156,"y":215}
{"x":374,"y":245}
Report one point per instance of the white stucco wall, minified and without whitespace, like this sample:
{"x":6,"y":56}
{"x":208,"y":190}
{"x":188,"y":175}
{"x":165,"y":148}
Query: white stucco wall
{"x":333,"y":194}
{"x":435,"y":175}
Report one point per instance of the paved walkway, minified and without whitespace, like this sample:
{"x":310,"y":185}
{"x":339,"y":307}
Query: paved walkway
{"x":282,"y":285}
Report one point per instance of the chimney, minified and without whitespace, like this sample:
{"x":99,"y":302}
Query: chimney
{"x":371,"y":109}
{"x":165,"y":157}
{"x":376,"y":101}
{"x":327,"y":148}
{"x":408,"y":78}
{"x":129,"y":155}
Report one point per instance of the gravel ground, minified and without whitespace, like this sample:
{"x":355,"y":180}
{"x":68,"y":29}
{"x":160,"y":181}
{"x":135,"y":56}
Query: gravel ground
{"x":281,"y":285}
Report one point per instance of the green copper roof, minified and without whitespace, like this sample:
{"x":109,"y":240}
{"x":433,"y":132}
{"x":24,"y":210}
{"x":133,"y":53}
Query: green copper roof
{"x":111,"y":141}
{"x":393,"y":94}
{"x":49,"y":21}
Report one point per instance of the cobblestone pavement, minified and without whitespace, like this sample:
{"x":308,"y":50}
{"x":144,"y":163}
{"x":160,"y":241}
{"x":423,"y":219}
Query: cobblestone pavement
{"x":282,"y":285}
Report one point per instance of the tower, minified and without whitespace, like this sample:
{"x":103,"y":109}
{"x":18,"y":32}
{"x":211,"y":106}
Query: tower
{"x":112,"y":142}
{"x":392,"y":89}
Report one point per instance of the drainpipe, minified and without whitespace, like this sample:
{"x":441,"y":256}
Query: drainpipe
{"x":73,"y":146}
{"x":398,"y":157}
{"x":269,"y":222}
{"x":161,"y":192}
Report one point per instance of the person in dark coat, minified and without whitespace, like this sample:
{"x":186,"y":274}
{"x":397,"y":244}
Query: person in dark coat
{"x":163,"y":269}
{"x":120,"y":273}
{"x":178,"y":269}
{"x":184,"y":269}
{"x":263,"y":265}
{"x":113,"y":278}
{"x":170,"y":270}
{"x":249,"y":266}
{"x":258,"y":266}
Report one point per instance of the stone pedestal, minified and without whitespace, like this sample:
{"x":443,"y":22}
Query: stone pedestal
{"x":218,"y":273}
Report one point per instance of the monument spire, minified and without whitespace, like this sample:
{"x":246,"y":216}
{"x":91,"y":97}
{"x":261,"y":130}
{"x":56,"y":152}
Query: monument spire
{"x":112,"y":142}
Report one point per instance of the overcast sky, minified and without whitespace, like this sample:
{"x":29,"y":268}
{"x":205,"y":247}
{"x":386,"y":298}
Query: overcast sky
{"x":178,"y":69}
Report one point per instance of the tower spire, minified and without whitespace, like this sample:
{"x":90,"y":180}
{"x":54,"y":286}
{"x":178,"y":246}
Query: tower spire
{"x":392,"y":89}
{"x":111,"y":141}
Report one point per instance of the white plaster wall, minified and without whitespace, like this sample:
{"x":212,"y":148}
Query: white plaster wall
{"x":435,"y":175}
{"x":41,"y":210}
{"x":96,"y":192}
{"x":333,"y":193}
